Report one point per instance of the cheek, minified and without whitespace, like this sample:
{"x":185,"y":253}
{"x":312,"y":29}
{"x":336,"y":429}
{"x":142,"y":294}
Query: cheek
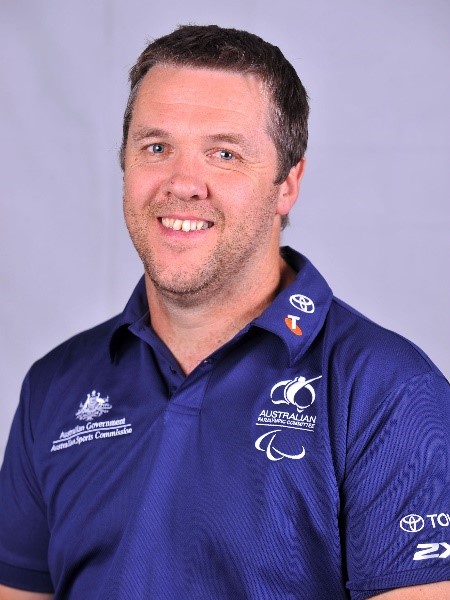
{"x":131,"y":189}
{"x":140,"y":184}
{"x":135,"y":205}
{"x":239,"y":191}
{"x":130,"y":215}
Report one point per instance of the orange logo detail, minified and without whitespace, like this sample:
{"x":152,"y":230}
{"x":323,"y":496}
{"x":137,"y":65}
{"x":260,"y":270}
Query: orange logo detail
{"x":291,"y":323}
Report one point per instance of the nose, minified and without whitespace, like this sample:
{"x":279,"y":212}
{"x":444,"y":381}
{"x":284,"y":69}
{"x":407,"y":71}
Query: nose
{"x":185,"y":181}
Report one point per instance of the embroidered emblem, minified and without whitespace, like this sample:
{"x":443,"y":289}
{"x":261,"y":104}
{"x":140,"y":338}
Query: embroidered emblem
{"x":291,"y":388}
{"x":299,"y":396}
{"x":94,"y":406}
{"x":265,"y":444}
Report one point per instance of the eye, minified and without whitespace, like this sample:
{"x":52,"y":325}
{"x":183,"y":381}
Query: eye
{"x":156,"y":148}
{"x":226,"y":155}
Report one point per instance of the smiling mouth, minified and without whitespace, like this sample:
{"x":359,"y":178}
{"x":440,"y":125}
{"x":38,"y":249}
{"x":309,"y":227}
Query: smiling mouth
{"x":184,"y":224}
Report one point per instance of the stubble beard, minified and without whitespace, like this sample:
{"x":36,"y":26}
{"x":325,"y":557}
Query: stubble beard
{"x":204,"y":283}
{"x":185,"y":289}
{"x":220,"y":269}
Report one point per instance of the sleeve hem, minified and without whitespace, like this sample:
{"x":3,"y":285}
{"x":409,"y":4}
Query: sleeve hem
{"x":26,"y":579}
{"x":365,"y":588}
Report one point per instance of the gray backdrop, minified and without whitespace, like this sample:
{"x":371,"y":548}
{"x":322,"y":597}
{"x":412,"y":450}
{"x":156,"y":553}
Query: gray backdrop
{"x":373,"y":211}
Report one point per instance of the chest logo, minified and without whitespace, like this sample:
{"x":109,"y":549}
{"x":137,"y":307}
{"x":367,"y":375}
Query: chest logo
{"x":93,"y":407}
{"x":265,"y":443}
{"x":90,"y":409}
{"x":293,"y":392}
{"x":299,"y":415}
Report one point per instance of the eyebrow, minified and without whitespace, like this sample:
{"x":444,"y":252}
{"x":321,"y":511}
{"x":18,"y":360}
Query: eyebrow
{"x":236,"y":139}
{"x":229,"y":138}
{"x":144,"y":132}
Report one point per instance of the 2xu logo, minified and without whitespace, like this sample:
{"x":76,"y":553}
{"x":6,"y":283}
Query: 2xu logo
{"x":432,"y":551}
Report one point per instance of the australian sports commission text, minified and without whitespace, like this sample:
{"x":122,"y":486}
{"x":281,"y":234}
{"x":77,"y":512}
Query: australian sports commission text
{"x":88,"y":437}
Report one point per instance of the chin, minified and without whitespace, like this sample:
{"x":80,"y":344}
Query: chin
{"x":174,"y":285}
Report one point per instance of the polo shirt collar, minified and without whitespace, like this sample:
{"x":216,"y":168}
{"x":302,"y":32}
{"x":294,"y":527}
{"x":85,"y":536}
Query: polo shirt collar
{"x":295,"y":316}
{"x":135,"y":310}
{"x":298,"y":312}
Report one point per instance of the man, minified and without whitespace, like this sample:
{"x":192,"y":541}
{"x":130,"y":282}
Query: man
{"x":237,"y":432}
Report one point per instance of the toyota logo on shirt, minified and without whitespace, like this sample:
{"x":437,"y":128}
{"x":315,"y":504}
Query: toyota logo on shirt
{"x":302,"y":303}
{"x":412,"y":523}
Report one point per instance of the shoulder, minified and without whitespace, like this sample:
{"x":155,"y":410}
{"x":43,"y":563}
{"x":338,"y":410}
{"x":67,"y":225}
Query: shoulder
{"x":79,"y":346}
{"x":378,"y":381}
{"x":375,"y":375}
{"x":97,"y":342}
{"x":83,"y":352}
{"x":363,"y":350}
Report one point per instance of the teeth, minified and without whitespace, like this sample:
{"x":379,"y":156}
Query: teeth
{"x":184,"y":225}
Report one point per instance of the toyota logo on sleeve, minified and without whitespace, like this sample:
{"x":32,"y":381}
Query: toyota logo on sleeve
{"x":412,"y":523}
{"x":302,"y":303}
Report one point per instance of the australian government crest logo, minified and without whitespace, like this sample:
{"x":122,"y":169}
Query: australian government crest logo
{"x":298,"y":395}
{"x":89,"y":411}
{"x":93,"y":406}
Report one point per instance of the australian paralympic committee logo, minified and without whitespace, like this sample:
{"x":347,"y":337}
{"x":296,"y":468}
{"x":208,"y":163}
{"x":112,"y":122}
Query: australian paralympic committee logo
{"x":292,"y":387}
{"x":299,"y":396}
{"x":265,"y":443}
{"x":92,"y":408}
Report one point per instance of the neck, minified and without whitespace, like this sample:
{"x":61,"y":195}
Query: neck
{"x":193,"y":330}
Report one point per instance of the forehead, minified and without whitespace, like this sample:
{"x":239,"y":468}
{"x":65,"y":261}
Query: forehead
{"x":202,"y":95}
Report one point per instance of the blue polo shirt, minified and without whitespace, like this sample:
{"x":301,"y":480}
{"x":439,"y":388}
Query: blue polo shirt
{"x":306,"y":458}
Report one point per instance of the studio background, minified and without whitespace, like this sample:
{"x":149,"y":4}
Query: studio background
{"x":373,"y":212}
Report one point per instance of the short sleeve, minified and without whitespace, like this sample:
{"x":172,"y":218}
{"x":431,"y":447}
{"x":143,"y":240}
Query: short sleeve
{"x":396,"y":493}
{"x":24,"y":535}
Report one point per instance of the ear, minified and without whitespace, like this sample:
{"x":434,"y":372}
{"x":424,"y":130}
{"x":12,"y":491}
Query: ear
{"x":290,"y":188}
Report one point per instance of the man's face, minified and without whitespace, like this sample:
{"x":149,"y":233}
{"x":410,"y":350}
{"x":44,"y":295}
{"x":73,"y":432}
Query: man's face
{"x":199,"y":199}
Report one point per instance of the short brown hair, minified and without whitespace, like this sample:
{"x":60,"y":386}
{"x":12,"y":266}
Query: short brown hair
{"x":213,"y":47}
